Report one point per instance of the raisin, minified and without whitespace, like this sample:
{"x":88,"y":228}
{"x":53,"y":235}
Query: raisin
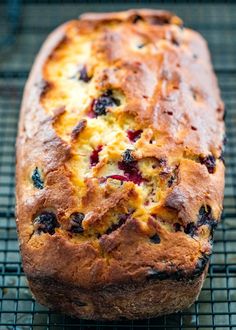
{"x":94,"y":157}
{"x":210,"y":162}
{"x":76,"y":220}
{"x":37,"y":180}
{"x":134,"y":135}
{"x":46,"y":222}
{"x":100,"y":105}
{"x":155,"y":239}
{"x":83,"y":75}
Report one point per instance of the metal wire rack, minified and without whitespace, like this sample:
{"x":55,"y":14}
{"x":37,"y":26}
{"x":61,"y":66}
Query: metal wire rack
{"x":216,"y":306}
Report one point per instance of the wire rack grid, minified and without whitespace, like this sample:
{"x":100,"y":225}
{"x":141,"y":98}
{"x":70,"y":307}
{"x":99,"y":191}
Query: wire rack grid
{"x":216,"y":306}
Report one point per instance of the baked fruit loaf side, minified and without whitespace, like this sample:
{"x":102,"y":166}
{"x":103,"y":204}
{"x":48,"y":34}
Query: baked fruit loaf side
{"x":120,"y":175}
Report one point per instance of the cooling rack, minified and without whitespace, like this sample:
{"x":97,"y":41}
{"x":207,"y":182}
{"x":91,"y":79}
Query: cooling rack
{"x":216,"y":305}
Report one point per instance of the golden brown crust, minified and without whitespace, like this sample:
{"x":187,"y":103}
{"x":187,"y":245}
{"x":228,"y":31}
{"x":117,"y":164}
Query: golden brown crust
{"x":119,"y":147}
{"x":118,"y":303}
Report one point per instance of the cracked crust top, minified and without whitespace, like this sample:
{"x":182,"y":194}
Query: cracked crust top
{"x":119,"y":168}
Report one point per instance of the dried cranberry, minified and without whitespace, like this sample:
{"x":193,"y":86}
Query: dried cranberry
{"x":100,"y":105}
{"x":94,"y":157}
{"x":134,"y":135}
{"x":117,"y":177}
{"x":76,"y":219}
{"x":46,"y":222}
{"x":129,"y":166}
{"x":155,"y":239}
{"x":83,"y":75}
{"x":37,"y":180}
{"x":210,"y":162}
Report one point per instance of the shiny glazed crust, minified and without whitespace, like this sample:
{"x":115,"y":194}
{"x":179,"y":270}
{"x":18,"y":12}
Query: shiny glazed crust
{"x":120,"y":174}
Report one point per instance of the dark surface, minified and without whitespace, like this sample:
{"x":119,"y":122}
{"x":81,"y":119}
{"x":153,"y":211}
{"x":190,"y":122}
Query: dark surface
{"x":216,"y":306}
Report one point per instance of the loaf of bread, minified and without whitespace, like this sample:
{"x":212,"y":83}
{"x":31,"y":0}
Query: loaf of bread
{"x":120,"y":173}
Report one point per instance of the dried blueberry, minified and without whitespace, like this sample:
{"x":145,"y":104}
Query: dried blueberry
{"x":46,"y":222}
{"x":205,"y":217}
{"x":210,"y":162}
{"x":140,"y":46}
{"x":204,"y":213}
{"x":100,"y":105}
{"x":121,"y":220}
{"x":127,"y":157}
{"x":83,"y":75}
{"x":76,"y":220}
{"x":129,"y":166}
{"x":177,"y":226}
{"x":201,"y":265}
{"x":190,"y":229}
{"x":155,"y":239}
{"x":94,"y":157}
{"x":37,"y":180}
{"x":170,"y":181}
{"x":173,"y":176}
{"x":154,"y":274}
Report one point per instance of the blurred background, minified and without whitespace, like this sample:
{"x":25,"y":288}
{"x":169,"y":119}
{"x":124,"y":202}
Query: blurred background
{"x":24,"y":26}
